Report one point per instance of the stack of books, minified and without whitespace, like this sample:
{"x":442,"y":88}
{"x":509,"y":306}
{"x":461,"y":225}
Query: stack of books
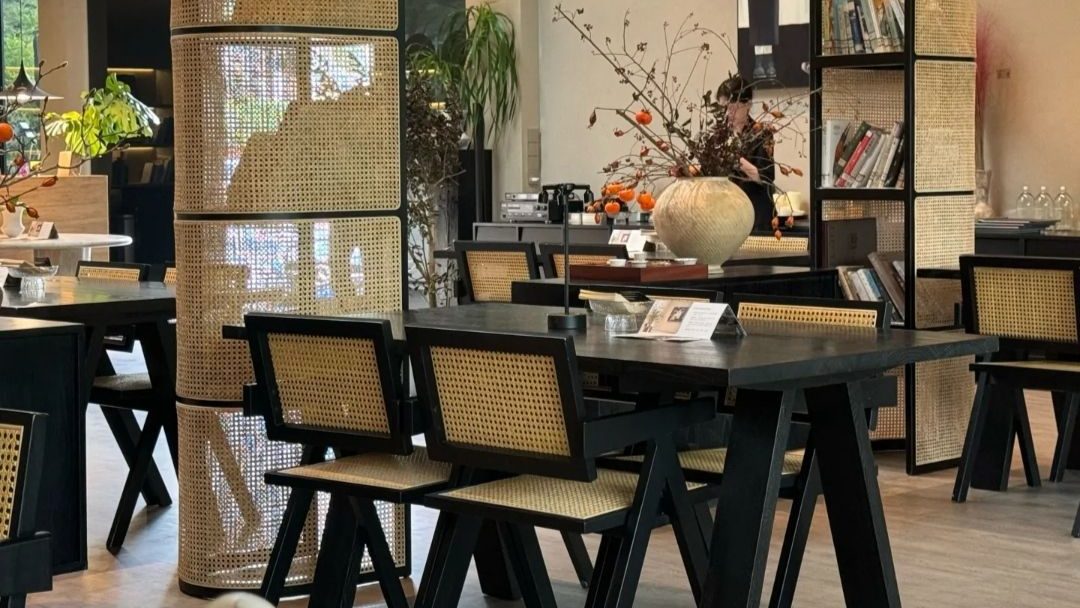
{"x":863,"y":26}
{"x":882,"y":281}
{"x":856,"y":154}
{"x":1011,"y":227}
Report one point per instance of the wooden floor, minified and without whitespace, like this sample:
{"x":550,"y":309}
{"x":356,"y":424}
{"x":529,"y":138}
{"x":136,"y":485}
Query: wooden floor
{"x":998,"y":550}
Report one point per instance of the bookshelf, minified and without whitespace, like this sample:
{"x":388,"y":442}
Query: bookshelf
{"x":930,"y":86}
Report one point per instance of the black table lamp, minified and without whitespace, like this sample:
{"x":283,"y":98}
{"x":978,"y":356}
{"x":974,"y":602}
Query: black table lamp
{"x":559,"y":197}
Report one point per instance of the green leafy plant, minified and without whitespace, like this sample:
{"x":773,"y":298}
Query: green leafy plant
{"x":110,"y":116}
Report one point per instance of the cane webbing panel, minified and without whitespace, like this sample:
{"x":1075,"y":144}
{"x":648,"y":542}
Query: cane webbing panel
{"x":1025,"y":303}
{"x":308,"y":267}
{"x":892,"y":421}
{"x":578,"y":259}
{"x":712,"y":461}
{"x":770,"y":244}
{"x":889,"y":216}
{"x":379,"y":471}
{"x":229,"y":517}
{"x":329,"y":383}
{"x":874,"y":96}
{"x":944,"y":126}
{"x":945,"y":27}
{"x":500,"y":400}
{"x":581,"y":500}
{"x":351,"y":14}
{"x":944,"y":231}
{"x":287,"y":123}
{"x":944,"y":393}
{"x":818,"y":315}
{"x":170,"y":276}
{"x":10,"y":453}
{"x":109,"y":273}
{"x":492,"y":273}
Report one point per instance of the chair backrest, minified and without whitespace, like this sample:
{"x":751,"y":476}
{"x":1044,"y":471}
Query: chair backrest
{"x":508,"y":402}
{"x":22,"y":447}
{"x":1027,"y":302}
{"x":551,"y":255}
{"x":170,"y":276}
{"x":770,"y":244}
{"x":489,"y":269}
{"x":112,"y":271}
{"x":819,"y":311}
{"x":329,"y":382}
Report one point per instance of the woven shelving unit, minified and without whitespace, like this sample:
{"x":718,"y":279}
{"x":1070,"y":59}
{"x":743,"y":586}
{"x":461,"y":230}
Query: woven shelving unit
{"x":289,"y":199}
{"x":930,"y":85}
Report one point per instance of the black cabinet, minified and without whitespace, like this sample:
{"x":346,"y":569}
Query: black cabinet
{"x":41,"y":371}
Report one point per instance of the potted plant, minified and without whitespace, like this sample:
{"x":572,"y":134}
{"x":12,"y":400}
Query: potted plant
{"x":692,"y":146}
{"x":477,"y":58}
{"x":109,"y":118}
{"x":433,"y":123}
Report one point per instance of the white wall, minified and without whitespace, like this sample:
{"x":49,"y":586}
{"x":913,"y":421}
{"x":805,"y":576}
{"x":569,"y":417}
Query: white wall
{"x":64,"y":38}
{"x":1033,"y":126}
{"x":573,"y":82}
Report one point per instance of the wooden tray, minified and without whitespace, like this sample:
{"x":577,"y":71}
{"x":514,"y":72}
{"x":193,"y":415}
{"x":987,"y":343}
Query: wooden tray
{"x":649,"y":274}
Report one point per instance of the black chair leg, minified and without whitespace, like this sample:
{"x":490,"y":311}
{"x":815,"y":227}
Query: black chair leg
{"x":125,"y":429}
{"x":13,"y":601}
{"x":1076,"y":524}
{"x":281,"y":557}
{"x":797,"y":533}
{"x":976,"y":424}
{"x":448,"y":560}
{"x":579,"y":557}
{"x":528,"y":563}
{"x":1066,"y":429}
{"x":381,"y":558}
{"x":600,"y":584}
{"x":684,"y":521}
{"x":704,"y":515}
{"x":337,"y":569}
{"x":136,"y":479}
{"x":1026,"y":443}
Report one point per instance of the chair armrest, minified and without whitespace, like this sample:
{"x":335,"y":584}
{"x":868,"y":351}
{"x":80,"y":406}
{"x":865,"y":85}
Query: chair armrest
{"x":26,"y":565}
{"x":605,"y":435}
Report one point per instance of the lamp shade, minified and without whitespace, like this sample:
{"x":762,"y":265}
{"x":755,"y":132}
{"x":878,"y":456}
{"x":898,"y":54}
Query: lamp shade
{"x":23,"y":90}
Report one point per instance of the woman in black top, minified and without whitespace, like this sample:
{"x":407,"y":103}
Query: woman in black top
{"x":757,"y":168}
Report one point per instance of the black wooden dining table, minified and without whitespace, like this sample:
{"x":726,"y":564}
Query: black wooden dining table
{"x":99,"y":305}
{"x":786,"y":368}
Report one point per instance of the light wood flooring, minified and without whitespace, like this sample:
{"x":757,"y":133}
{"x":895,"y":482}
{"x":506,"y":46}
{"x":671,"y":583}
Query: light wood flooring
{"x":997,"y":550}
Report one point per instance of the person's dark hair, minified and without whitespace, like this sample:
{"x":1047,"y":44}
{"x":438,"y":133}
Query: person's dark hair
{"x":737,"y":88}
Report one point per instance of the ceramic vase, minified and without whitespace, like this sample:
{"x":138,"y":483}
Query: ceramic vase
{"x":707,"y":218}
{"x":13,"y":223}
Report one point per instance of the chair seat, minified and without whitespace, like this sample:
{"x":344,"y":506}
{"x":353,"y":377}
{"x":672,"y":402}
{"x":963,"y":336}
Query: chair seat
{"x":557,"y":503}
{"x":1067,"y":367}
{"x":1038,"y":374}
{"x":381,"y":476}
{"x":708,"y":465}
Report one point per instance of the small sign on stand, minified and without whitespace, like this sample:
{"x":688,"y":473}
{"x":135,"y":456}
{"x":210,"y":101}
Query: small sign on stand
{"x":40,"y":231}
{"x":688,"y":321}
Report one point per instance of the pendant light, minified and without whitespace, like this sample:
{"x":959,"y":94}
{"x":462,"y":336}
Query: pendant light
{"x":22,"y":89}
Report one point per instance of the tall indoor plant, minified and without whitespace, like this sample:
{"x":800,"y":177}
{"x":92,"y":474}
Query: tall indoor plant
{"x":684,"y":142}
{"x":433,"y":124}
{"x":478,"y":58}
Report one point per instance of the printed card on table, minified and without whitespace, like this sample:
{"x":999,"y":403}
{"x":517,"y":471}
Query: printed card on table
{"x":686,"y":321}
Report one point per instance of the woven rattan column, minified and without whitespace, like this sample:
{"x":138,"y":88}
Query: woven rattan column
{"x":288,"y":198}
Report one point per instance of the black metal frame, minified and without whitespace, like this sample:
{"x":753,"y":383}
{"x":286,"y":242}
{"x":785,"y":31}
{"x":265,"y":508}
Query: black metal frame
{"x":260,"y":326}
{"x":661,"y":487}
{"x":26,"y":556}
{"x":462,"y":247}
{"x":906,"y":61}
{"x":1000,"y":410}
{"x":548,"y":251}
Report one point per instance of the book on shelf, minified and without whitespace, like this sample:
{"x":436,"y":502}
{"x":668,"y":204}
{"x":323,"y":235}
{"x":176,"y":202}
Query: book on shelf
{"x":856,"y":154}
{"x":888,"y":267}
{"x":864,"y":26}
{"x":880,"y":282}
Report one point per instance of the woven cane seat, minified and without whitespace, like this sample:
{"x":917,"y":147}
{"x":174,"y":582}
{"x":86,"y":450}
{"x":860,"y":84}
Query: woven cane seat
{"x":713,"y":461}
{"x":572,"y":502}
{"x":372,"y":471}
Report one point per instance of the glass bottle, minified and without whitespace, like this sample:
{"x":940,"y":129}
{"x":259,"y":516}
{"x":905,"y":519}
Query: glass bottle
{"x":1044,"y":205}
{"x":1067,"y":212}
{"x":1025,"y":205}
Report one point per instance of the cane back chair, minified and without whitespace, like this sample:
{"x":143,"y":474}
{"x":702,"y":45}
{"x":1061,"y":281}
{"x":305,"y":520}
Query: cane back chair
{"x":552,"y":256}
{"x":121,"y":394}
{"x":489,"y":269}
{"x":1030,"y":304}
{"x":335,"y":384}
{"x":508,"y":411}
{"x":25,"y":553}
